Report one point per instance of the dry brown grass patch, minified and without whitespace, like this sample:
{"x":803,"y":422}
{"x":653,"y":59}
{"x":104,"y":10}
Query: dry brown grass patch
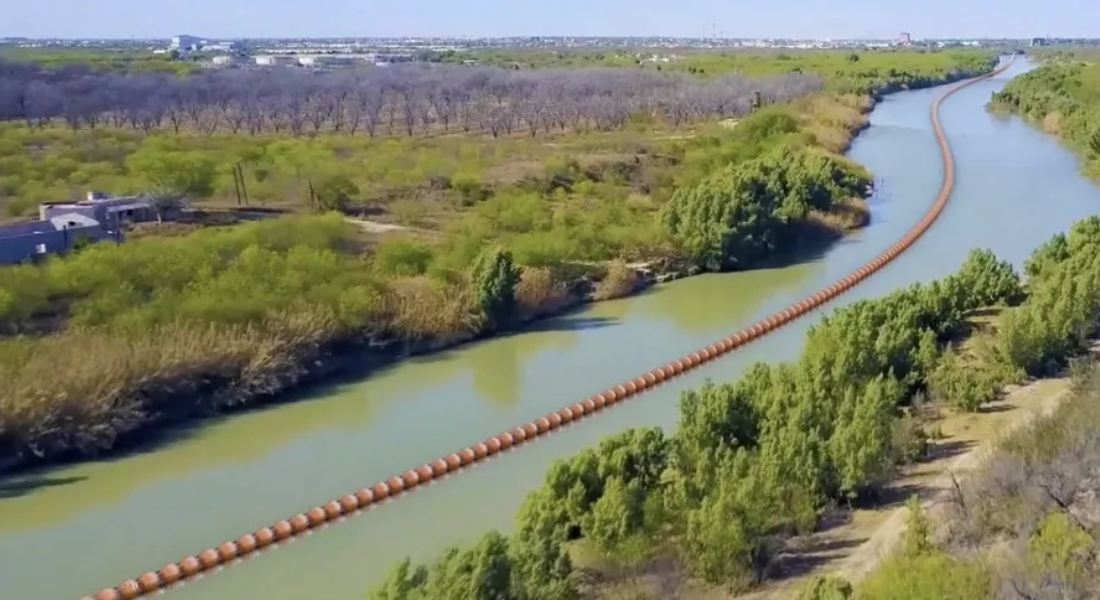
{"x":620,"y":280}
{"x":1052,"y":123}
{"x":539,"y":293}
{"x":422,"y":308}
{"x":845,"y":216}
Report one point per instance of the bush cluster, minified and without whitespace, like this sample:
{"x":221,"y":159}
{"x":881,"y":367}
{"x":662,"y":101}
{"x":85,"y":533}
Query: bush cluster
{"x":752,"y":463}
{"x":1064,"y":96}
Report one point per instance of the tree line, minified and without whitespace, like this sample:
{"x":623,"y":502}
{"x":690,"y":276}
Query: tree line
{"x":753,"y":463}
{"x":397,"y":100}
{"x":1063,"y":96}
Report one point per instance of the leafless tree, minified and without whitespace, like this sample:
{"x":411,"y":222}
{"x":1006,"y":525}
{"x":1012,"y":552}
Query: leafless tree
{"x":409,"y":99}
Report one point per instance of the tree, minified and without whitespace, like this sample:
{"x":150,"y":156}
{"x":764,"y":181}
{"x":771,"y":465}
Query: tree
{"x":335,"y":193}
{"x":170,"y":172}
{"x":917,"y":540}
{"x":494,"y":276}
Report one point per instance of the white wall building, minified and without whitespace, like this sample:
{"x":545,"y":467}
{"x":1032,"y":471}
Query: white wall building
{"x":273,"y":60}
{"x":185,"y":42}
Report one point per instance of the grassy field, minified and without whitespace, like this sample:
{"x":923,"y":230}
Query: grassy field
{"x":101,"y":61}
{"x":489,"y":232}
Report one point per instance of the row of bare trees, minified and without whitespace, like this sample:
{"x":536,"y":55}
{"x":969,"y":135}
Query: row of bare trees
{"x":399,"y":100}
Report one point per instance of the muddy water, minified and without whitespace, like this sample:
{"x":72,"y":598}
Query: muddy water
{"x":72,"y":531}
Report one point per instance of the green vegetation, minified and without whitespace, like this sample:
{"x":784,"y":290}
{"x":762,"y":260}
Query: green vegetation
{"x":755,"y":462}
{"x":506,"y":230}
{"x":1028,"y":522}
{"x":101,"y":60}
{"x":1063,"y":96}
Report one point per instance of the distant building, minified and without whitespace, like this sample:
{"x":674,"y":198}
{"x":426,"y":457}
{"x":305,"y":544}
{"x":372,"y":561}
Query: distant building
{"x":222,"y":61}
{"x":1040,"y":41}
{"x":272,"y":60}
{"x":327,"y":60}
{"x":185,"y":43}
{"x":905,"y":39}
{"x":232,"y":47}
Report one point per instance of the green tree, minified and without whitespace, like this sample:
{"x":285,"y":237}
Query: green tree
{"x":494,"y":276}
{"x":917,"y":540}
{"x":335,"y":193}
{"x":171,"y":173}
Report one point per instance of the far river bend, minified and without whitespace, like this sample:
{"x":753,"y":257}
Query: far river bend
{"x":72,"y":531}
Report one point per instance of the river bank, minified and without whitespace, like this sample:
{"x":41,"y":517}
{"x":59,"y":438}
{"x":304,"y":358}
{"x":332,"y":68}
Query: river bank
{"x":314,"y":363}
{"x":294,"y":455}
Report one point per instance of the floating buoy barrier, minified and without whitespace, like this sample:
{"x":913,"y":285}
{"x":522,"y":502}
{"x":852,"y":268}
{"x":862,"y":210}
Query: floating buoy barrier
{"x":320,"y":516}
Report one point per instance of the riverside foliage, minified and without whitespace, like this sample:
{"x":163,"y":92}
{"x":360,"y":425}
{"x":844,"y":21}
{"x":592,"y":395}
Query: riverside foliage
{"x":1064,"y":97}
{"x":230,"y":316}
{"x":1027,"y":525}
{"x":753,"y":463}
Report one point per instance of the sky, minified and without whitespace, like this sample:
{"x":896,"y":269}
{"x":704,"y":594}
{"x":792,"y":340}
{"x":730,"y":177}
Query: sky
{"x":481,"y":18}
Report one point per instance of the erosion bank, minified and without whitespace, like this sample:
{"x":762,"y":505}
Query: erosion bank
{"x":582,"y":409}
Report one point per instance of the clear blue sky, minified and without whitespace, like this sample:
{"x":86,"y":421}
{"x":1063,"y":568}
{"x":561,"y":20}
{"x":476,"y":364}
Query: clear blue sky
{"x":734,"y":18}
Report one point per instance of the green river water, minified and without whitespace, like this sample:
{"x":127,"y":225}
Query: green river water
{"x":72,"y":531}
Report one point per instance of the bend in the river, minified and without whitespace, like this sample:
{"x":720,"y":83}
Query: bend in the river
{"x":397,"y":486}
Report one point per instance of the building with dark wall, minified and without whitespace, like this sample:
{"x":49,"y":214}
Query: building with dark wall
{"x":31,"y":242}
{"x":63,"y":226}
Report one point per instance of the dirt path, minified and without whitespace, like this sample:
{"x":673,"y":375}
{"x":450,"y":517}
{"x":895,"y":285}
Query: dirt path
{"x":854,"y":545}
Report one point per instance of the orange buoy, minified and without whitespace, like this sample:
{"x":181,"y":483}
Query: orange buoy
{"x":299,"y":523}
{"x":209,"y":558}
{"x":365,"y":497}
{"x":149,"y":583}
{"x":316,"y":516}
{"x":190,"y":566}
{"x":333,"y":510}
{"x":129,"y":589}
{"x":349,"y":503}
{"x":170,"y":573}
{"x":440,"y":467}
{"x":246,"y":544}
{"x":227,"y":551}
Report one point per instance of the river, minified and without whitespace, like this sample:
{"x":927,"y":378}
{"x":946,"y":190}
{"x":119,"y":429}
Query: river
{"x":72,"y":531}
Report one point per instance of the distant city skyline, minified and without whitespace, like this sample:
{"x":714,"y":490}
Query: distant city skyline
{"x":802,"y":19}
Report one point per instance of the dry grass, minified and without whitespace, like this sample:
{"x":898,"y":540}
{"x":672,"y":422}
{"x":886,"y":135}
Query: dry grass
{"x":1052,"y":123}
{"x":539,"y":293}
{"x":834,"y":120}
{"x":426,"y":309}
{"x":620,"y":280}
{"x":111,"y":384}
{"x":845,"y":216}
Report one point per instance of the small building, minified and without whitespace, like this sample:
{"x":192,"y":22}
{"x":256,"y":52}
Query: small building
{"x":185,"y":42}
{"x":327,"y":60}
{"x":31,"y":242}
{"x":110,"y":212}
{"x":275,"y":60}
